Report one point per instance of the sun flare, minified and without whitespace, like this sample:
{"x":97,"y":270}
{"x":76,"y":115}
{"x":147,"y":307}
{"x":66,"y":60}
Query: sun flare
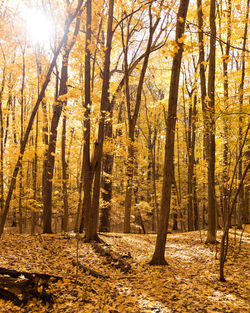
{"x":39,"y":26}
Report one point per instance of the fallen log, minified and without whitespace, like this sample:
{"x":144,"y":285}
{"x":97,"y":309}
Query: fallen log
{"x":89,"y":270}
{"x":16,"y":274}
{"x":9,"y":296}
{"x":20,"y":286}
{"x":113,"y":258}
{"x":110,"y":235}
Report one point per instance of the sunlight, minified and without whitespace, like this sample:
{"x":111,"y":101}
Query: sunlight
{"x":39,"y":26}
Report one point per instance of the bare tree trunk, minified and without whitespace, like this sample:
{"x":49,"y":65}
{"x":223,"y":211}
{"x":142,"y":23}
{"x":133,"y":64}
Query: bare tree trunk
{"x":155,"y":205}
{"x":230,"y":210}
{"x":129,"y":185}
{"x":196,"y":207}
{"x":224,"y":239}
{"x":210,"y":111}
{"x":45,"y":129}
{"x":21,"y":139}
{"x":87,"y":183}
{"x":151,"y":171}
{"x":35,"y":159}
{"x":92,"y":226}
{"x":179,"y":186}
{"x":203,"y":98}
{"x":226,"y":122}
{"x":108,"y":161}
{"x":80,"y":200}
{"x":2,"y":146}
{"x":57,"y":110}
{"x":241,"y":100}
{"x":202,"y":75}
{"x":190,"y":169}
{"x":64,"y":177}
{"x":158,"y":256}
{"x":107,"y":168}
{"x":34,"y":179}
{"x":191,"y":164}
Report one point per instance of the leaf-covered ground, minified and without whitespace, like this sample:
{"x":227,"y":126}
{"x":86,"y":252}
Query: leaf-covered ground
{"x":188,"y":284}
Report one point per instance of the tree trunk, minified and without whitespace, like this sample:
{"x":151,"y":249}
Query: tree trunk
{"x":21,"y":139}
{"x":64,"y":177}
{"x":179,"y":186}
{"x":202,"y":75}
{"x":129,"y":186}
{"x":222,"y":254}
{"x":190,"y":154}
{"x":57,"y":110}
{"x":93,"y":214}
{"x":155,"y":216}
{"x":80,"y":200}
{"x":158,"y":257}
{"x":2,"y":147}
{"x":45,"y":130}
{"x":108,"y":161}
{"x":196,"y":207}
{"x":34,"y":180}
{"x":226,"y":121}
{"x":193,"y":223}
{"x":87,"y":184}
{"x":210,"y":111}
{"x":203,"y":99}
{"x":20,"y":196}
{"x":241,"y":100}
{"x":230,"y":209}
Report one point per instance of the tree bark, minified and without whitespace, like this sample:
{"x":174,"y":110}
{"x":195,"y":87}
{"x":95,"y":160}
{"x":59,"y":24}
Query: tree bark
{"x":108,"y":161}
{"x":57,"y":110}
{"x":64,"y":177}
{"x":158,"y":256}
{"x":34,"y":178}
{"x":192,"y":214}
{"x":241,"y":100}
{"x":93,"y":214}
{"x":210,"y":111}
{"x":203,"y":99}
{"x":87,"y":184}
{"x":202,"y":75}
{"x":190,"y":170}
{"x":2,"y":145}
{"x":21,"y":139}
{"x":226,"y":121}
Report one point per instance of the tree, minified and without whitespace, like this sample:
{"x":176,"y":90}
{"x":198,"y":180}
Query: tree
{"x":133,"y":115}
{"x":60,"y":103}
{"x":203,"y":91}
{"x":231,"y":203}
{"x":87,"y":169}
{"x":226,"y":122}
{"x":32,"y":117}
{"x":242,"y":211}
{"x":92,"y":211}
{"x":210,"y":113}
{"x":158,"y":257}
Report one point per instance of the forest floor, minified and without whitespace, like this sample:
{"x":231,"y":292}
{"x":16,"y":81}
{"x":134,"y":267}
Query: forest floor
{"x":189,"y":283}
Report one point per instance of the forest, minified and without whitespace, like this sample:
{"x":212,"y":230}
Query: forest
{"x":124,"y":156}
